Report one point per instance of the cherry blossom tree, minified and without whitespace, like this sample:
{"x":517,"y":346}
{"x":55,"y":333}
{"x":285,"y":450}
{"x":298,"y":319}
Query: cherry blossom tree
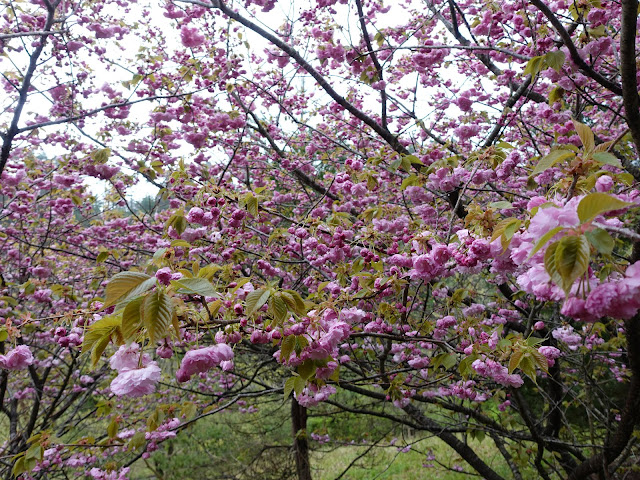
{"x":422,"y":211}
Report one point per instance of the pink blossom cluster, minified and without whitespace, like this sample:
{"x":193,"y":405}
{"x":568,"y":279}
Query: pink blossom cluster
{"x":137,"y":373}
{"x":203,"y":359}
{"x":18,"y":358}
{"x":499,"y":373}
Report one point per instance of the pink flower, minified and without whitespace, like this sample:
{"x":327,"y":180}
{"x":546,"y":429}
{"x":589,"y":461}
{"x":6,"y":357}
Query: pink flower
{"x":136,"y":382}
{"x":203,"y":359}
{"x":128,"y":358}
{"x":17,"y":359}
{"x":190,"y":37}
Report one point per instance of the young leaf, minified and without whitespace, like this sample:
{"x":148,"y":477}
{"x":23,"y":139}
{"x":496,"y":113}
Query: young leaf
{"x":157,"y":310}
{"x":551,"y":159}
{"x":595,"y":204}
{"x":288,"y":386}
{"x":198,"y":286}
{"x":131,"y":318}
{"x":121,"y":285}
{"x":287,"y":348}
{"x":544,"y":239}
{"x":306,"y":369}
{"x":256,"y":299}
{"x":586,"y":136}
{"x":555,"y":60}
{"x":278,"y":308}
{"x":571,"y":259}
{"x":601,"y":240}
{"x":606,"y":158}
{"x":515,"y":359}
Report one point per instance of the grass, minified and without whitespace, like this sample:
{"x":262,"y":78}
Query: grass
{"x":392,"y":463}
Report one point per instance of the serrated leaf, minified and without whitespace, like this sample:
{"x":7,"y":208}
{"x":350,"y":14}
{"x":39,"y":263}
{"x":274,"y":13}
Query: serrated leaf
{"x":35,"y":452}
{"x":278,"y":308}
{"x":102,"y":256}
{"x":300,"y":308}
{"x":198,"y":286}
{"x":540,"y":360}
{"x":121,"y":285}
{"x":555,"y":60}
{"x":586,"y":136}
{"x":501,"y":205}
{"x":551,"y":159}
{"x":112,"y":429}
{"x":306,"y":369}
{"x":98,"y":349}
{"x":515,"y":359}
{"x":534,"y":66}
{"x":287,"y":347}
{"x":544,"y":239}
{"x":410,"y":181}
{"x":571,"y":259}
{"x":18,"y":467}
{"x":556,"y":94}
{"x":288,"y":386}
{"x":606,"y":158}
{"x":595,"y":204}
{"x":550,"y":262}
{"x":157,"y":314}
{"x":103,"y":327}
{"x":601,"y":240}
{"x":180,"y":243}
{"x":298,"y":385}
{"x":132,"y":319}
{"x":102,"y":155}
{"x":256,"y":299}
{"x":528,"y":368}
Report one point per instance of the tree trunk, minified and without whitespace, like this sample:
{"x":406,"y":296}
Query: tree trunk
{"x":300,"y":441}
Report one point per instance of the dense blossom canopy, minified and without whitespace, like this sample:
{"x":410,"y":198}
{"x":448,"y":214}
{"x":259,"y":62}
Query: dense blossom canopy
{"x":423,"y":211}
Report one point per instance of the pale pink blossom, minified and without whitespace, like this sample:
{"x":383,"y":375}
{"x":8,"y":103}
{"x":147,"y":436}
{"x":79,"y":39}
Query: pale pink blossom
{"x":203,"y":359}
{"x":136,"y":382}
{"x":17,"y":359}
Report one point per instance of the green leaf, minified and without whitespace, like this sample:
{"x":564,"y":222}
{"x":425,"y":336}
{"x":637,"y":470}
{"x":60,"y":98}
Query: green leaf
{"x":586,"y":136}
{"x":287,"y":348}
{"x":544,"y":239}
{"x":556,"y":94}
{"x":534,"y":66}
{"x":3,"y":334}
{"x":102,"y":256}
{"x":288,"y":386}
{"x":180,"y":243}
{"x":122,"y":284}
{"x":256,"y":299}
{"x":607,"y":158}
{"x":299,"y":306}
{"x":601,"y":240}
{"x":500,"y":205}
{"x":555,"y":60}
{"x":550,"y":262}
{"x":306,"y":369}
{"x":515,"y":359}
{"x":157,"y":310}
{"x":98,"y":349}
{"x":595,"y":204}
{"x":571,"y":259}
{"x":104,"y":327}
{"x":410,"y":181}
{"x":551,"y":159}
{"x":298,"y":385}
{"x":112,"y":429}
{"x":278,"y":308}
{"x":132,"y":318}
{"x":101,"y":155}
{"x":198,"y":286}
